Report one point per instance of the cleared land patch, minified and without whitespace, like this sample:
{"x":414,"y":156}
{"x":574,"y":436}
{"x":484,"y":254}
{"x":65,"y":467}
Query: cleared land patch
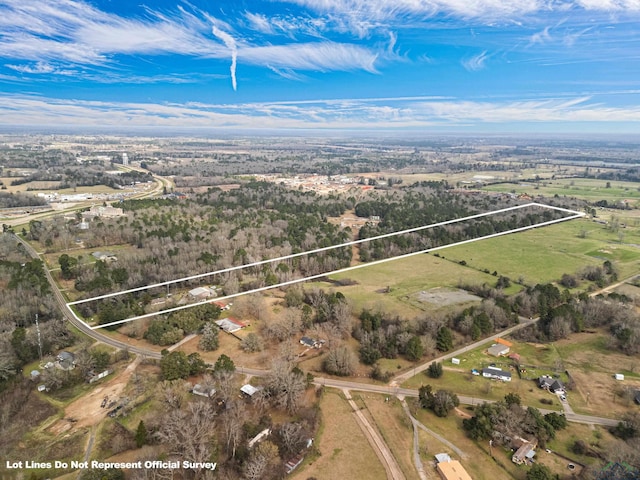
{"x":445,"y":297}
{"x":344,"y":450}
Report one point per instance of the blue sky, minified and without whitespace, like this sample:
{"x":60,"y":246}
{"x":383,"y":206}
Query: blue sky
{"x":402,"y":65}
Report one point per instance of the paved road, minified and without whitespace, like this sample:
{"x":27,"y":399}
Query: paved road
{"x":160,"y":184}
{"x":399,"y":379}
{"x":392,"y":389}
{"x":80,"y":325}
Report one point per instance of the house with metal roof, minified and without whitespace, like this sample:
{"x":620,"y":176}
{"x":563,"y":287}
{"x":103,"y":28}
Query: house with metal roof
{"x":498,"y":374}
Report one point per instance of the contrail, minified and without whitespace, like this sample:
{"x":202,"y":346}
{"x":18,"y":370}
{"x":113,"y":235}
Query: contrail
{"x":231,"y":45}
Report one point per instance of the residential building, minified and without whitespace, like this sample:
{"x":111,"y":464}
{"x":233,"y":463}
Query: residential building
{"x":249,"y":390}
{"x":554,"y":385}
{"x":230,"y":325}
{"x":524,"y":453}
{"x":200,"y":293}
{"x":498,"y":350}
{"x":498,"y":374}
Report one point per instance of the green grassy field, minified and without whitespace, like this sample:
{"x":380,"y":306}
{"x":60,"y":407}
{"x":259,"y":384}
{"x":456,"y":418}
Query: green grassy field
{"x":404,"y":278}
{"x":536,"y":256}
{"x":585,"y":188}
{"x":545,"y":254}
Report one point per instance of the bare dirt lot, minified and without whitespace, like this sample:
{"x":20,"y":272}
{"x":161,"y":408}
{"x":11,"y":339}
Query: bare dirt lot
{"x":87,"y":411}
{"x":443,"y":297}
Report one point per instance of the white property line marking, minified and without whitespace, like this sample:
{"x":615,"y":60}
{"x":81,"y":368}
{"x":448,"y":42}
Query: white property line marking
{"x":346,"y":269}
{"x":323,"y":249}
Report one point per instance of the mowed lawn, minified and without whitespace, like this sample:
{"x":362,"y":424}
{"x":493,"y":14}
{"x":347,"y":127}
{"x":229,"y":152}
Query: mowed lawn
{"x":544,"y":254}
{"x":344,"y":450}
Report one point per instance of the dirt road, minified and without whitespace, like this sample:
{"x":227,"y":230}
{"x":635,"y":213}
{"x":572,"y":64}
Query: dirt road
{"x":86,"y":411}
{"x":394,"y":472}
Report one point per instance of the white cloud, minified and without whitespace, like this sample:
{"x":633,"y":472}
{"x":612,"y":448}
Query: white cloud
{"x":330,"y":114}
{"x":259,"y":23}
{"x":325,"y":56}
{"x":610,"y":5}
{"x":75,"y":33}
{"x":540,"y":37}
{"x":476,"y":62}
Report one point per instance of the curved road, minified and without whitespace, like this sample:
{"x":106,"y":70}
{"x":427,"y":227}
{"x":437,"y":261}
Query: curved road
{"x":391,"y":389}
{"x":71,"y":317}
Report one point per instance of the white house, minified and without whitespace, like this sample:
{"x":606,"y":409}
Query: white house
{"x":494,"y":372}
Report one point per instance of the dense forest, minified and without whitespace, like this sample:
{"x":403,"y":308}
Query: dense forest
{"x":25,"y":293}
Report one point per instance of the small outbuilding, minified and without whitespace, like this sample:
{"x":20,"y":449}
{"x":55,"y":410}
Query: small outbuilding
{"x":249,"y":390}
{"x":201,"y":390}
{"x":619,"y":376}
{"x":200,"y":293}
{"x":498,"y":350}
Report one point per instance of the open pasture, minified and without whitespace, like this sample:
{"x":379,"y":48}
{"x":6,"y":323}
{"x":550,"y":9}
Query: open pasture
{"x":584,"y":188}
{"x":544,"y":254}
{"x":396,"y":286}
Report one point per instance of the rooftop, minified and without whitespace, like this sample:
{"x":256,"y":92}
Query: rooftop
{"x":452,"y":470}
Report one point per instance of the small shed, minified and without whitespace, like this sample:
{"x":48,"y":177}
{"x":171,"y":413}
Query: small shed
{"x":249,"y":390}
{"x":455,"y":361}
{"x":619,"y":376}
{"x":201,"y":390}
{"x":442,"y":457}
{"x":498,"y":350}
{"x":201,"y":293}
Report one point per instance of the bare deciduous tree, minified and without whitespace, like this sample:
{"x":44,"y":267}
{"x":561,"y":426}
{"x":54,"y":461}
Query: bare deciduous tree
{"x":286,"y":385}
{"x":189,"y":433}
{"x":232,"y":421}
{"x":260,"y":461}
{"x":340,"y":361}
